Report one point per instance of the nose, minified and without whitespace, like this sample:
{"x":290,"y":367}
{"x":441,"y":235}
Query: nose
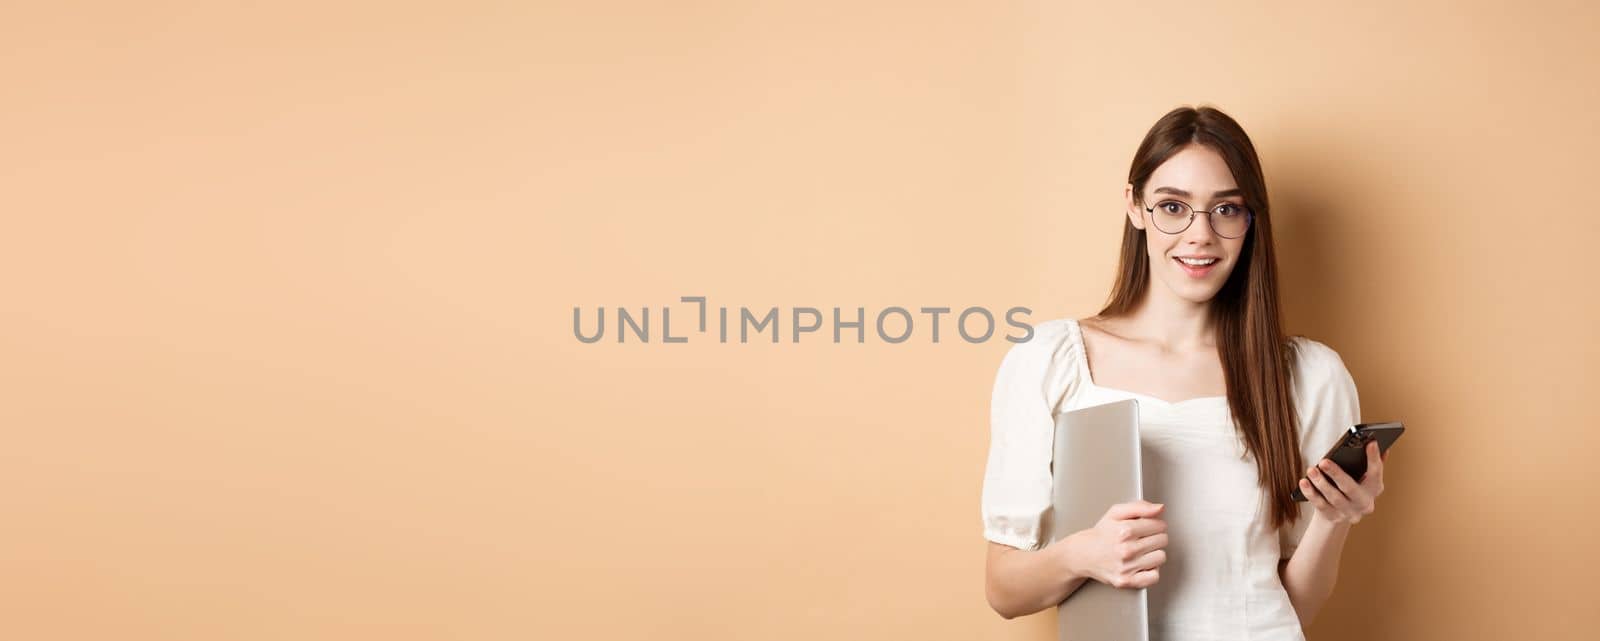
{"x":1200,"y":231}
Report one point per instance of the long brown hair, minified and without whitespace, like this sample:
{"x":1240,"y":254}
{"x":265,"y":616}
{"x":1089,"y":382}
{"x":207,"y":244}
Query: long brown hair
{"x":1257,"y":358}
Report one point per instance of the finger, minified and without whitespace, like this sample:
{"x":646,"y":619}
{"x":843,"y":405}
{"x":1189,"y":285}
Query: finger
{"x":1132,"y":529}
{"x":1133,"y":510}
{"x":1374,"y":462}
{"x":1313,"y":495}
{"x":1147,"y":527}
{"x":1150,"y":560}
{"x":1329,"y":491}
{"x":1340,"y":479}
{"x":1149,"y":544}
{"x":1145,"y":578}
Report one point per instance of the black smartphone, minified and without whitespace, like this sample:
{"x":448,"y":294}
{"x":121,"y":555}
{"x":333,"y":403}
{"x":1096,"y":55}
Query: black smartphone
{"x":1350,"y":453}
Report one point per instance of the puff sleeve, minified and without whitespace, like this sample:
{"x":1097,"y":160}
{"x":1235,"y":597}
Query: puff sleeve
{"x":1328,"y":405}
{"x":1033,"y":378}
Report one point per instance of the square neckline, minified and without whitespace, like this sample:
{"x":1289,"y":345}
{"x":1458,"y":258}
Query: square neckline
{"x":1088,"y":376}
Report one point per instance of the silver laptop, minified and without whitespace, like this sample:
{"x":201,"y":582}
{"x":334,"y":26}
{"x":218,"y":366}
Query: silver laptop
{"x":1096,"y":464}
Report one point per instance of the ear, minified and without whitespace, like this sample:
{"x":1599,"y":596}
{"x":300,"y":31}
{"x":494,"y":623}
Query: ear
{"x":1135,"y":212}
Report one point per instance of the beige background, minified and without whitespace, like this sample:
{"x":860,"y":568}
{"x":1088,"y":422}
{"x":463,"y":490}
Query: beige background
{"x":288,"y":293}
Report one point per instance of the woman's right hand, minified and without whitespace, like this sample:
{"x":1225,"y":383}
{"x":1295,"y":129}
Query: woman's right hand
{"x":1125,"y":549}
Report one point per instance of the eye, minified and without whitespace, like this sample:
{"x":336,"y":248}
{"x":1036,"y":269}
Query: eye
{"x":1229,"y":210}
{"x":1171,"y":207}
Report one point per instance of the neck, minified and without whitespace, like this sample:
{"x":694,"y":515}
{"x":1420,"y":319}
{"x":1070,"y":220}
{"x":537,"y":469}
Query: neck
{"x":1173,"y":323}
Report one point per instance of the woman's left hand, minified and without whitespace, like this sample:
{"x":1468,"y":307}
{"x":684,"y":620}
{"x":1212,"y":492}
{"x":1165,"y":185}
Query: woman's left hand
{"x":1339,"y":498}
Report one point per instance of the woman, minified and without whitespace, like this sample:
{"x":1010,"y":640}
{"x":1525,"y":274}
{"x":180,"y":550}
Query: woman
{"x":1230,"y":408}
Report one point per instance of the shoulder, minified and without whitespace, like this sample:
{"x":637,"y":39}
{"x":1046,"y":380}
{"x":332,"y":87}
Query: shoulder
{"x":1050,"y":336}
{"x":1316,"y":364}
{"x":1046,"y":363}
{"x":1326,"y":399}
{"x":1052,"y":342}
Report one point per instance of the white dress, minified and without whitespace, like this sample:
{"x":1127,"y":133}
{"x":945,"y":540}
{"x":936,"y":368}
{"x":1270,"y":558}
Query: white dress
{"x":1220,"y":580}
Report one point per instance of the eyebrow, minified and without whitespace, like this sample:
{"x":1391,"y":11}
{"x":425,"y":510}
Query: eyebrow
{"x":1226,"y":193}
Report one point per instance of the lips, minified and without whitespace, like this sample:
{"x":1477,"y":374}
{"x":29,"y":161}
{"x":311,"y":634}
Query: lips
{"x":1197,"y":271}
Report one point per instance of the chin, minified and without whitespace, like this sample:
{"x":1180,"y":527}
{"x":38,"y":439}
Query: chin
{"x":1196,"y":292}
{"x":1198,"y":297}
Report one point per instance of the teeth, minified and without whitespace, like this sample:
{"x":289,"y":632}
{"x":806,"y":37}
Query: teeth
{"x":1197,"y":262}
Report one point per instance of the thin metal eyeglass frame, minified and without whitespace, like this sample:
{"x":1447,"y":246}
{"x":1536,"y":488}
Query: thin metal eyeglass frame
{"x":1249,"y":217}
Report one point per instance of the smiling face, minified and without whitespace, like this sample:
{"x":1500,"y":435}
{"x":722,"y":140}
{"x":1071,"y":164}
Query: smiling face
{"x":1199,"y":177}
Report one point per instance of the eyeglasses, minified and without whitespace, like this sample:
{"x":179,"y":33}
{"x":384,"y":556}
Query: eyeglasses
{"x":1174,"y":216}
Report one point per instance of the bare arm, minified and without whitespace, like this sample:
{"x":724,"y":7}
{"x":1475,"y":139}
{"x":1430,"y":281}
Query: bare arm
{"x":1310,"y":573}
{"x":1022,"y":582}
{"x":1340,"y":501}
{"x":1125,"y":549}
